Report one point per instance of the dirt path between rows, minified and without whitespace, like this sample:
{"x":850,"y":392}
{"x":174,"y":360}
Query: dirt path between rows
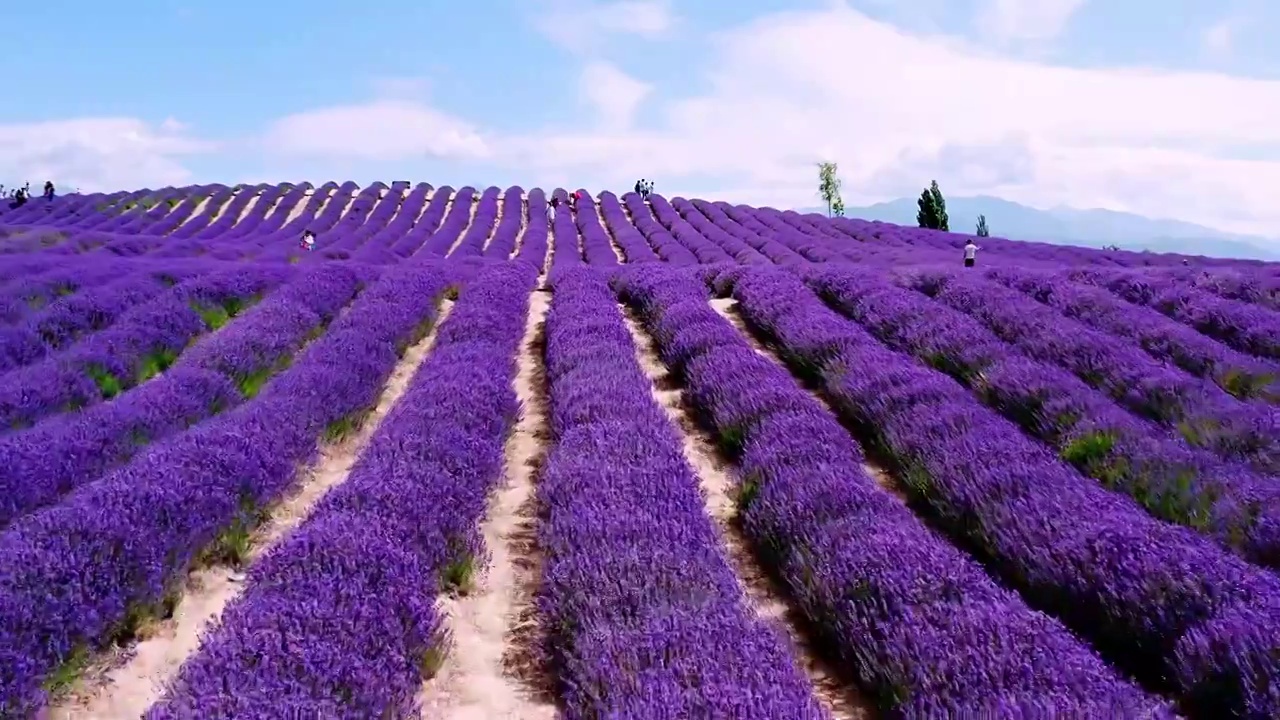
{"x":199,"y":209}
{"x":728,"y":309}
{"x":492,"y":671}
{"x":471,"y":218}
{"x":613,"y":241}
{"x":524,"y":227}
{"x":763,"y":595}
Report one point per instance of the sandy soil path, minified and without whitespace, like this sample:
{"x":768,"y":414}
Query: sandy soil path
{"x":524,"y":226}
{"x":728,"y":308}
{"x":613,"y":242}
{"x":200,"y":208}
{"x":840,"y":700}
{"x":248,"y":207}
{"x":491,"y":671}
{"x":471,"y":218}
{"x":296,"y":211}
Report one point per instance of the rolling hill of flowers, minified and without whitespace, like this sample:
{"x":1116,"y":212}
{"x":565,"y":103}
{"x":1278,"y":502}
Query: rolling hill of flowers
{"x":472,"y":456}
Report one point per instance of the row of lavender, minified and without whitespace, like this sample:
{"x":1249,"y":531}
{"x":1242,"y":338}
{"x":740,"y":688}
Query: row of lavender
{"x":684,"y":232}
{"x":320,"y":598}
{"x":1208,"y":419}
{"x":885,"y":595}
{"x":1219,"y":399}
{"x":1206,"y":321}
{"x":99,"y":534}
{"x":339,"y":620}
{"x":384,"y":232}
{"x":1161,"y":602}
{"x":173,"y":210}
{"x":708,"y":233}
{"x":764,"y":247}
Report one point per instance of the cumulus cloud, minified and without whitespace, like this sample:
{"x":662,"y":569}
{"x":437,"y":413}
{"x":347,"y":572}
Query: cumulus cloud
{"x":97,"y":154}
{"x":1219,"y":37}
{"x":906,"y":109}
{"x":1136,"y":139}
{"x":582,"y":27}
{"x":612,"y":94}
{"x":1026,"y":19}
{"x":381,"y":130}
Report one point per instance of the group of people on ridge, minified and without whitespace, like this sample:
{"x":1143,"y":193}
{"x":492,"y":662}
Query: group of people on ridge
{"x":572,"y":204}
{"x":19,"y":196}
{"x":643,"y":188}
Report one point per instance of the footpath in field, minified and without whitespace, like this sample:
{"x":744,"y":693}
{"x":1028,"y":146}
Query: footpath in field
{"x":126,"y":683}
{"x":766,"y":598}
{"x":490,"y":671}
{"x":728,"y":309}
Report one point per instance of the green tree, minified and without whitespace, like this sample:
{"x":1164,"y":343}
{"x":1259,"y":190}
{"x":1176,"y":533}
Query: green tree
{"x":933,"y":209}
{"x":927,"y":216}
{"x":938,"y":202}
{"x":829,"y":188}
{"x":983,"y":230}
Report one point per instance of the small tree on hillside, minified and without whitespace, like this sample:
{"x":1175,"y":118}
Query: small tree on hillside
{"x":983,"y":230}
{"x":829,"y":188}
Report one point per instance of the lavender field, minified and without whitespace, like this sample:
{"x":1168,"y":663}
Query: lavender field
{"x":646,"y":459}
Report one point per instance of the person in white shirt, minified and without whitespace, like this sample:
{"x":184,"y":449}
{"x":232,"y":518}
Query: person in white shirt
{"x":970,"y":254}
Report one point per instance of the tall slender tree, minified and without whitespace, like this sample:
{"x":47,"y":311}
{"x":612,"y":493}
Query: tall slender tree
{"x":983,"y":230}
{"x":829,"y":188}
{"x":940,"y":205}
{"x":927,"y":216}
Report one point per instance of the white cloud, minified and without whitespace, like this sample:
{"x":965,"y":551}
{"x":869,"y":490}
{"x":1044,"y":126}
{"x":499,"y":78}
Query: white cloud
{"x":583,"y":27}
{"x":907,"y":109}
{"x":98,"y":153}
{"x":1033,"y":20}
{"x":1219,"y":37}
{"x":381,"y":130}
{"x":612,"y":94}
{"x":913,"y":107}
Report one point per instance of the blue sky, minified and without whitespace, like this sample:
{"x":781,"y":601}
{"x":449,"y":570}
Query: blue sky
{"x":1163,"y":109}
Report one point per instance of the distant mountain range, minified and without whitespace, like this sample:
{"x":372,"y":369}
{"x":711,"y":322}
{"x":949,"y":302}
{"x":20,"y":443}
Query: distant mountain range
{"x":1072,"y":226}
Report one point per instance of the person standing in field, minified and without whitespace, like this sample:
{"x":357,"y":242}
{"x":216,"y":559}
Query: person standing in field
{"x":551,"y":211}
{"x":970,"y":254}
{"x":640,"y":186}
{"x":308,"y":240}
